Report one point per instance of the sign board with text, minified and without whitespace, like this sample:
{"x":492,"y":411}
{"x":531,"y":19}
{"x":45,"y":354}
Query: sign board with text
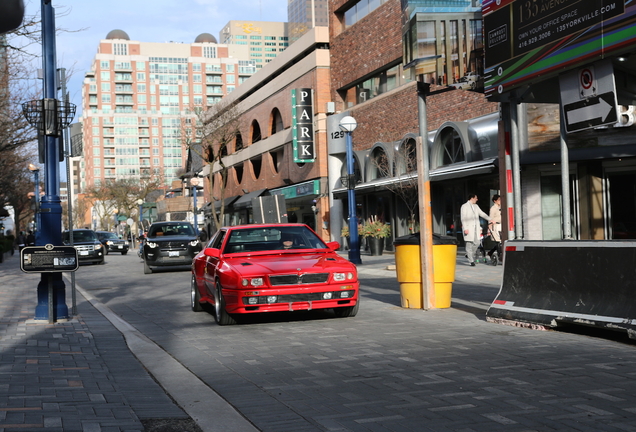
{"x":303,"y":125}
{"x":588,"y":97}
{"x":48,"y":259}
{"x":527,"y":41}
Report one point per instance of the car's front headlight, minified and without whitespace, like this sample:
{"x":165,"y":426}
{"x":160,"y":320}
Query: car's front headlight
{"x":109,"y":242}
{"x":194,"y":242}
{"x":98,"y":246}
{"x":252,"y":281}
{"x":339,"y":277}
{"x":152,"y":244}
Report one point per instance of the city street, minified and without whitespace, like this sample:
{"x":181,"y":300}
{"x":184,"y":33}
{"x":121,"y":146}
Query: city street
{"x":387,"y":369}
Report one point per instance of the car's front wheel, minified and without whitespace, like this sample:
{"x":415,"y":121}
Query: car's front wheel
{"x":195,"y":296}
{"x":147,"y":269}
{"x":220,"y":314}
{"x":347,"y":312}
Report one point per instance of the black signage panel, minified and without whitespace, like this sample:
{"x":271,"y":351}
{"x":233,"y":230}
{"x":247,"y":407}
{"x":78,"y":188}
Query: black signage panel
{"x":48,"y":259}
{"x":538,"y":22}
{"x":303,"y":127}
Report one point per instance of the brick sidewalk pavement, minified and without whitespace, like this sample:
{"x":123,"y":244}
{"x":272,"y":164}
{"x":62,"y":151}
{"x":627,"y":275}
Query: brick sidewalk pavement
{"x":74,"y":375}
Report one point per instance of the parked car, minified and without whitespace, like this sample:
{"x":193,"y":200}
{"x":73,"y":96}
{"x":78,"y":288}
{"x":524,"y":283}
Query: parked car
{"x":252,"y":269}
{"x":89,"y":248}
{"x":112,"y":242}
{"x":170,"y":244}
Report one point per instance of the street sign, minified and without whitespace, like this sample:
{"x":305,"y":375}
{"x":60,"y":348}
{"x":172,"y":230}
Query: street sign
{"x":48,"y":259}
{"x":588,"y":97}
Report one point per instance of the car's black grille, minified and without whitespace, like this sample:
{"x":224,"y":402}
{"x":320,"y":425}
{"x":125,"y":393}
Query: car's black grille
{"x":308,"y":278}
{"x":174,"y":245}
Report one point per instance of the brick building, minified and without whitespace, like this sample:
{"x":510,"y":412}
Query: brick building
{"x":375,"y":63}
{"x":261,"y":160}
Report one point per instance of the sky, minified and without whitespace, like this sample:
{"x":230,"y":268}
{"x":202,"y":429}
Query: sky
{"x":89,"y":21}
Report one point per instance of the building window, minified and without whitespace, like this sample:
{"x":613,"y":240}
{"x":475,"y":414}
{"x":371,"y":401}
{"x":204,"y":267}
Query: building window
{"x":209,"y":52}
{"x":120,"y":49}
{"x":104,"y":65}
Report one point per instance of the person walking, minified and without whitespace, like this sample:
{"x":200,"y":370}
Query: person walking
{"x":20,"y":240}
{"x":30,"y":239}
{"x":494,"y":250}
{"x":470,"y":214}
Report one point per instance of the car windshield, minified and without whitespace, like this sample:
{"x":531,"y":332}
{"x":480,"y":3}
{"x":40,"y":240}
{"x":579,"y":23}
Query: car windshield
{"x":176,"y":229}
{"x":272,"y":239}
{"x":109,"y":235}
{"x":81,"y":236}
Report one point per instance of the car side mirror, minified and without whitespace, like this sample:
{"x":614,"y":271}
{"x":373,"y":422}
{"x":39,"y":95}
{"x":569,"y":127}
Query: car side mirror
{"x":212,"y":252}
{"x":334,"y":245}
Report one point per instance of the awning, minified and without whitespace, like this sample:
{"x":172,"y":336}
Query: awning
{"x":227,"y":201}
{"x":459,"y":170}
{"x":245,"y":201}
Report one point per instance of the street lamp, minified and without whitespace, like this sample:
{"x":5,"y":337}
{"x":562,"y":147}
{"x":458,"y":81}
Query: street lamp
{"x":348,"y":124}
{"x":194,"y":182}
{"x":140,"y":203}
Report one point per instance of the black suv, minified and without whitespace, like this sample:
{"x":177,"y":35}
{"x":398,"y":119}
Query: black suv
{"x":89,"y":248}
{"x":112,"y":243}
{"x":170,"y":244}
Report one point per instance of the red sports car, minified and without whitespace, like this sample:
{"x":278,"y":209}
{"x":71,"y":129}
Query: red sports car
{"x":272,"y":268}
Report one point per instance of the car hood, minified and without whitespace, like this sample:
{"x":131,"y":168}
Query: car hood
{"x":286,"y":263}
{"x":171,"y":238}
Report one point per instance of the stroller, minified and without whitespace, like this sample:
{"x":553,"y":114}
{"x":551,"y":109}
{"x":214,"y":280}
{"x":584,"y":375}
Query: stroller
{"x":489,"y":246}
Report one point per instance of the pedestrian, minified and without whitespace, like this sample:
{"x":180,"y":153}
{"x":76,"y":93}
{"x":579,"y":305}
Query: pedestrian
{"x":203,"y":235}
{"x":495,"y":224}
{"x":20,"y":240}
{"x":470,"y":214}
{"x":30,"y":239}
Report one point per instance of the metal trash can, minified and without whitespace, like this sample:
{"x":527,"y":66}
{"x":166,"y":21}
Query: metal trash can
{"x":409,"y":269}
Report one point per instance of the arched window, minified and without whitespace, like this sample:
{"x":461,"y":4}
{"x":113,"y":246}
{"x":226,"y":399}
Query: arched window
{"x":453,"y":148}
{"x":277,"y":158}
{"x":238,"y":142}
{"x":256,"y":132}
{"x":356,"y":171}
{"x":406,"y":157}
{"x":238,"y":169}
{"x":380,"y":165}
{"x":276,"y":121}
{"x":257,"y":162}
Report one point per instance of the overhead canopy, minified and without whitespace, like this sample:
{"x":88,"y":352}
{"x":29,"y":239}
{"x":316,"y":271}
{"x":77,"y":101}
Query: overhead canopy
{"x":246,"y":200}
{"x":447,"y":172}
{"x":227,"y":202}
{"x":459,"y":170}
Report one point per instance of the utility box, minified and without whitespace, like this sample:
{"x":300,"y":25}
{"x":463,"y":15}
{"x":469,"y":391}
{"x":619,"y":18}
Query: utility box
{"x":269,"y":209}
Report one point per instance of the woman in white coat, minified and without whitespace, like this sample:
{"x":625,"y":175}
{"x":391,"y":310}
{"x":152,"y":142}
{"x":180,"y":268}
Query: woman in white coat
{"x":470,"y":214}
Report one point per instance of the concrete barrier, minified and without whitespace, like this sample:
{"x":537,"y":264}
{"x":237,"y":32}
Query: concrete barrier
{"x":585,"y":282}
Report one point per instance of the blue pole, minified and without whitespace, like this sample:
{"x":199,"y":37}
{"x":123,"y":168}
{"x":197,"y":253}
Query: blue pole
{"x":196,"y":225}
{"x":51,"y":287}
{"x":354,"y":246}
{"x":37,"y":226}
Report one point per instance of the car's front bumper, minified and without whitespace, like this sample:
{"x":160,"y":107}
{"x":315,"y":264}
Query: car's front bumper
{"x":292,"y":298}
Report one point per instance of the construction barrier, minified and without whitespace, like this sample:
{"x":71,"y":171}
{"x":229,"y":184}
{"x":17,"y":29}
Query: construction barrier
{"x":585,"y":282}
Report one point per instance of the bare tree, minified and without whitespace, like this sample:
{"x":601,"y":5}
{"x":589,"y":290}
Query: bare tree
{"x":16,"y":182}
{"x":122,"y":195}
{"x":211,"y":135}
{"x":403,"y":170}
